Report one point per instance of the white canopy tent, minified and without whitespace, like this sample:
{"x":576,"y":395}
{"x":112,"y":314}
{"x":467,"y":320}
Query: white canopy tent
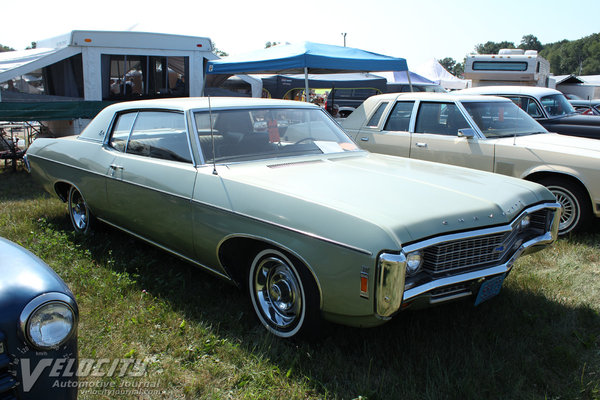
{"x":434,"y":71}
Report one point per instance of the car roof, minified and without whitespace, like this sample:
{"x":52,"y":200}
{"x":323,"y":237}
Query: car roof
{"x":432,"y":96}
{"x":190,"y":103}
{"x":535,"y":91}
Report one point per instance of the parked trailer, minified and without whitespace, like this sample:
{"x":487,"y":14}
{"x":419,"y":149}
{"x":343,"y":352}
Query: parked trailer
{"x":67,"y":80}
{"x":508,"y":67}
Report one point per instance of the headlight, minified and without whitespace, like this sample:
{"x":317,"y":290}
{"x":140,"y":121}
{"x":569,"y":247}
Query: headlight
{"x":525,"y":222}
{"x":414,"y":260}
{"x":49,"y":320}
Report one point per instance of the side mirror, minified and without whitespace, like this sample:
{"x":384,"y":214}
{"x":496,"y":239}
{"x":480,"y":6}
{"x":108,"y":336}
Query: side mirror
{"x":467,"y":133}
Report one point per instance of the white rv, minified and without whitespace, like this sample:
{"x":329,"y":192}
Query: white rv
{"x":67,"y":80}
{"x":508,"y":67}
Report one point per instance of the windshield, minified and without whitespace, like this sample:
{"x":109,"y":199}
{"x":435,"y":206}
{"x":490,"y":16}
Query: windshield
{"x":502,"y":119}
{"x":557,"y":105}
{"x":258,"y":133}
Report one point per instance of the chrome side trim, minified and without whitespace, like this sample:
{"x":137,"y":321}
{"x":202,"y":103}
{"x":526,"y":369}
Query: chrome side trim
{"x":287,"y":228}
{"x":190,"y":260}
{"x":305,"y":233}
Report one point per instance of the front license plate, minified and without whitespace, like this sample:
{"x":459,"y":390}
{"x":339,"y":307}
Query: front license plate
{"x":489,"y":289}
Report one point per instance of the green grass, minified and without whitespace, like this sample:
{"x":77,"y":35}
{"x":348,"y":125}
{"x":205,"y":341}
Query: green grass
{"x":540,"y":339}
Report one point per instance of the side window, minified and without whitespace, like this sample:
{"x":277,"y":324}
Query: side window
{"x":374,"y":121}
{"x":399,"y":119}
{"x":528,"y":105}
{"x":532,"y":108}
{"x":440,"y":118}
{"x":160,"y":134}
{"x":121,"y":130}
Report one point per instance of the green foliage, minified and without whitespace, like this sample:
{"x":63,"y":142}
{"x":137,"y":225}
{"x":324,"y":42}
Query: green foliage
{"x":5,"y":48}
{"x":493,"y":47}
{"x":217,"y":51}
{"x":579,"y":57}
{"x":530,"y":42}
{"x":450,"y":64}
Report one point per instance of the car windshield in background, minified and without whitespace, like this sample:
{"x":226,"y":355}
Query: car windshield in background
{"x":258,"y":133}
{"x":557,"y":105}
{"x":502,"y":119}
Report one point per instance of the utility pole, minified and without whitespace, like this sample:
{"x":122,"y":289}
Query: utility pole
{"x":344,"y":35}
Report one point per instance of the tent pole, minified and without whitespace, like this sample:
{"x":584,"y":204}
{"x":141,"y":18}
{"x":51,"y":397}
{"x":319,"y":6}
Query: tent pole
{"x":306,"y":85}
{"x":409,"y":82}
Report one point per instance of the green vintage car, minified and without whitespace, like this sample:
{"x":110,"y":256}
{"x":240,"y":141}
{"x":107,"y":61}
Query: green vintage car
{"x":273,"y":196}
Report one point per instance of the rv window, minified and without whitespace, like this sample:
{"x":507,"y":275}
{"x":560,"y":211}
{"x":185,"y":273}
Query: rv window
{"x":499,"y":66}
{"x":135,"y":77}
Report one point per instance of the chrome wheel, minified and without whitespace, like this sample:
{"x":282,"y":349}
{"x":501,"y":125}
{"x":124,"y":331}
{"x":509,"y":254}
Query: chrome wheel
{"x":571,"y":208}
{"x":277,"y":293}
{"x":78,"y":211}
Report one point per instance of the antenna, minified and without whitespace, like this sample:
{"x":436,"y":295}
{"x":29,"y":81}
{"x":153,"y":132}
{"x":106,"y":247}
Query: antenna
{"x":212,"y":137}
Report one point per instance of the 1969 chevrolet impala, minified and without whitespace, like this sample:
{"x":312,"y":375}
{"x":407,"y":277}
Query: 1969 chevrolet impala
{"x":274,"y":196}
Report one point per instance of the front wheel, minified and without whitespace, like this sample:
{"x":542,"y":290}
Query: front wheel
{"x":577,"y":211}
{"x":79,"y":212}
{"x":283,"y":294}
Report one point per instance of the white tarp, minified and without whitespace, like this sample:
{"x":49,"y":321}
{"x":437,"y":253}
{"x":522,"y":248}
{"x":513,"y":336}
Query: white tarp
{"x":434,"y":71}
{"x":17,"y":63}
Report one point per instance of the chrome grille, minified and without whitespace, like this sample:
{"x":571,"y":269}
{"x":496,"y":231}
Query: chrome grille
{"x":7,"y":381}
{"x":481,"y":251}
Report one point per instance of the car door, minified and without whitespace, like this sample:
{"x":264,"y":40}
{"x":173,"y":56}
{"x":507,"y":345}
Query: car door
{"x":436,"y":138}
{"x":151,"y":179}
{"x":388,"y":135}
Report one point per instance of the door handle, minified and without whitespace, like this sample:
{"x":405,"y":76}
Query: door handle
{"x":115,"y":166}
{"x":364,"y":139}
{"x":421,"y":144}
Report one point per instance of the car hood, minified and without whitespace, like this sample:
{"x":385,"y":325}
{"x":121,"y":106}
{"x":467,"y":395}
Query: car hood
{"x":359,"y":199}
{"x":553,"y":142}
{"x":24,"y":277}
{"x":575,"y":119}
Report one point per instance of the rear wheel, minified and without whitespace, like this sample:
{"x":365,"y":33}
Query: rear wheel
{"x":283,"y":294}
{"x":79,"y":212}
{"x":577,"y":210}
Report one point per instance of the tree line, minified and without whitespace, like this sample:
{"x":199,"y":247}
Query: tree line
{"x":578,"y":57}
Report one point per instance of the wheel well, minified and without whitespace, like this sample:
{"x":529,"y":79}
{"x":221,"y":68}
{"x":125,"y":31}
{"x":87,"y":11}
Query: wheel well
{"x":236,"y":255}
{"x":539,"y":176}
{"x":62,"y":190}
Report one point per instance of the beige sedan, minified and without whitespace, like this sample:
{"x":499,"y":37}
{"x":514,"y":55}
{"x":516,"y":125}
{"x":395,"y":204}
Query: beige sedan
{"x":487,"y":133}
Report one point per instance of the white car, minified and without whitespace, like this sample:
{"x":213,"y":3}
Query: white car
{"x":487,"y":133}
{"x":547,"y":106}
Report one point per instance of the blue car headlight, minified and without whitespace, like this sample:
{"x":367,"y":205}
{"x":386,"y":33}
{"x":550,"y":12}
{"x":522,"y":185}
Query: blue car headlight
{"x":49,"y":320}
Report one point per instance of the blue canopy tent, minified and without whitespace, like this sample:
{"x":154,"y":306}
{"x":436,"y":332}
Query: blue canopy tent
{"x":306,"y":57}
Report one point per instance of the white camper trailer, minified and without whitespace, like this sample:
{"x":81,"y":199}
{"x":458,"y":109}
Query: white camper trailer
{"x":508,"y":67}
{"x":66,"y":80}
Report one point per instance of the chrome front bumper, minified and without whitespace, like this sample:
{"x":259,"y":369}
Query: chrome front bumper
{"x":393,"y":293}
